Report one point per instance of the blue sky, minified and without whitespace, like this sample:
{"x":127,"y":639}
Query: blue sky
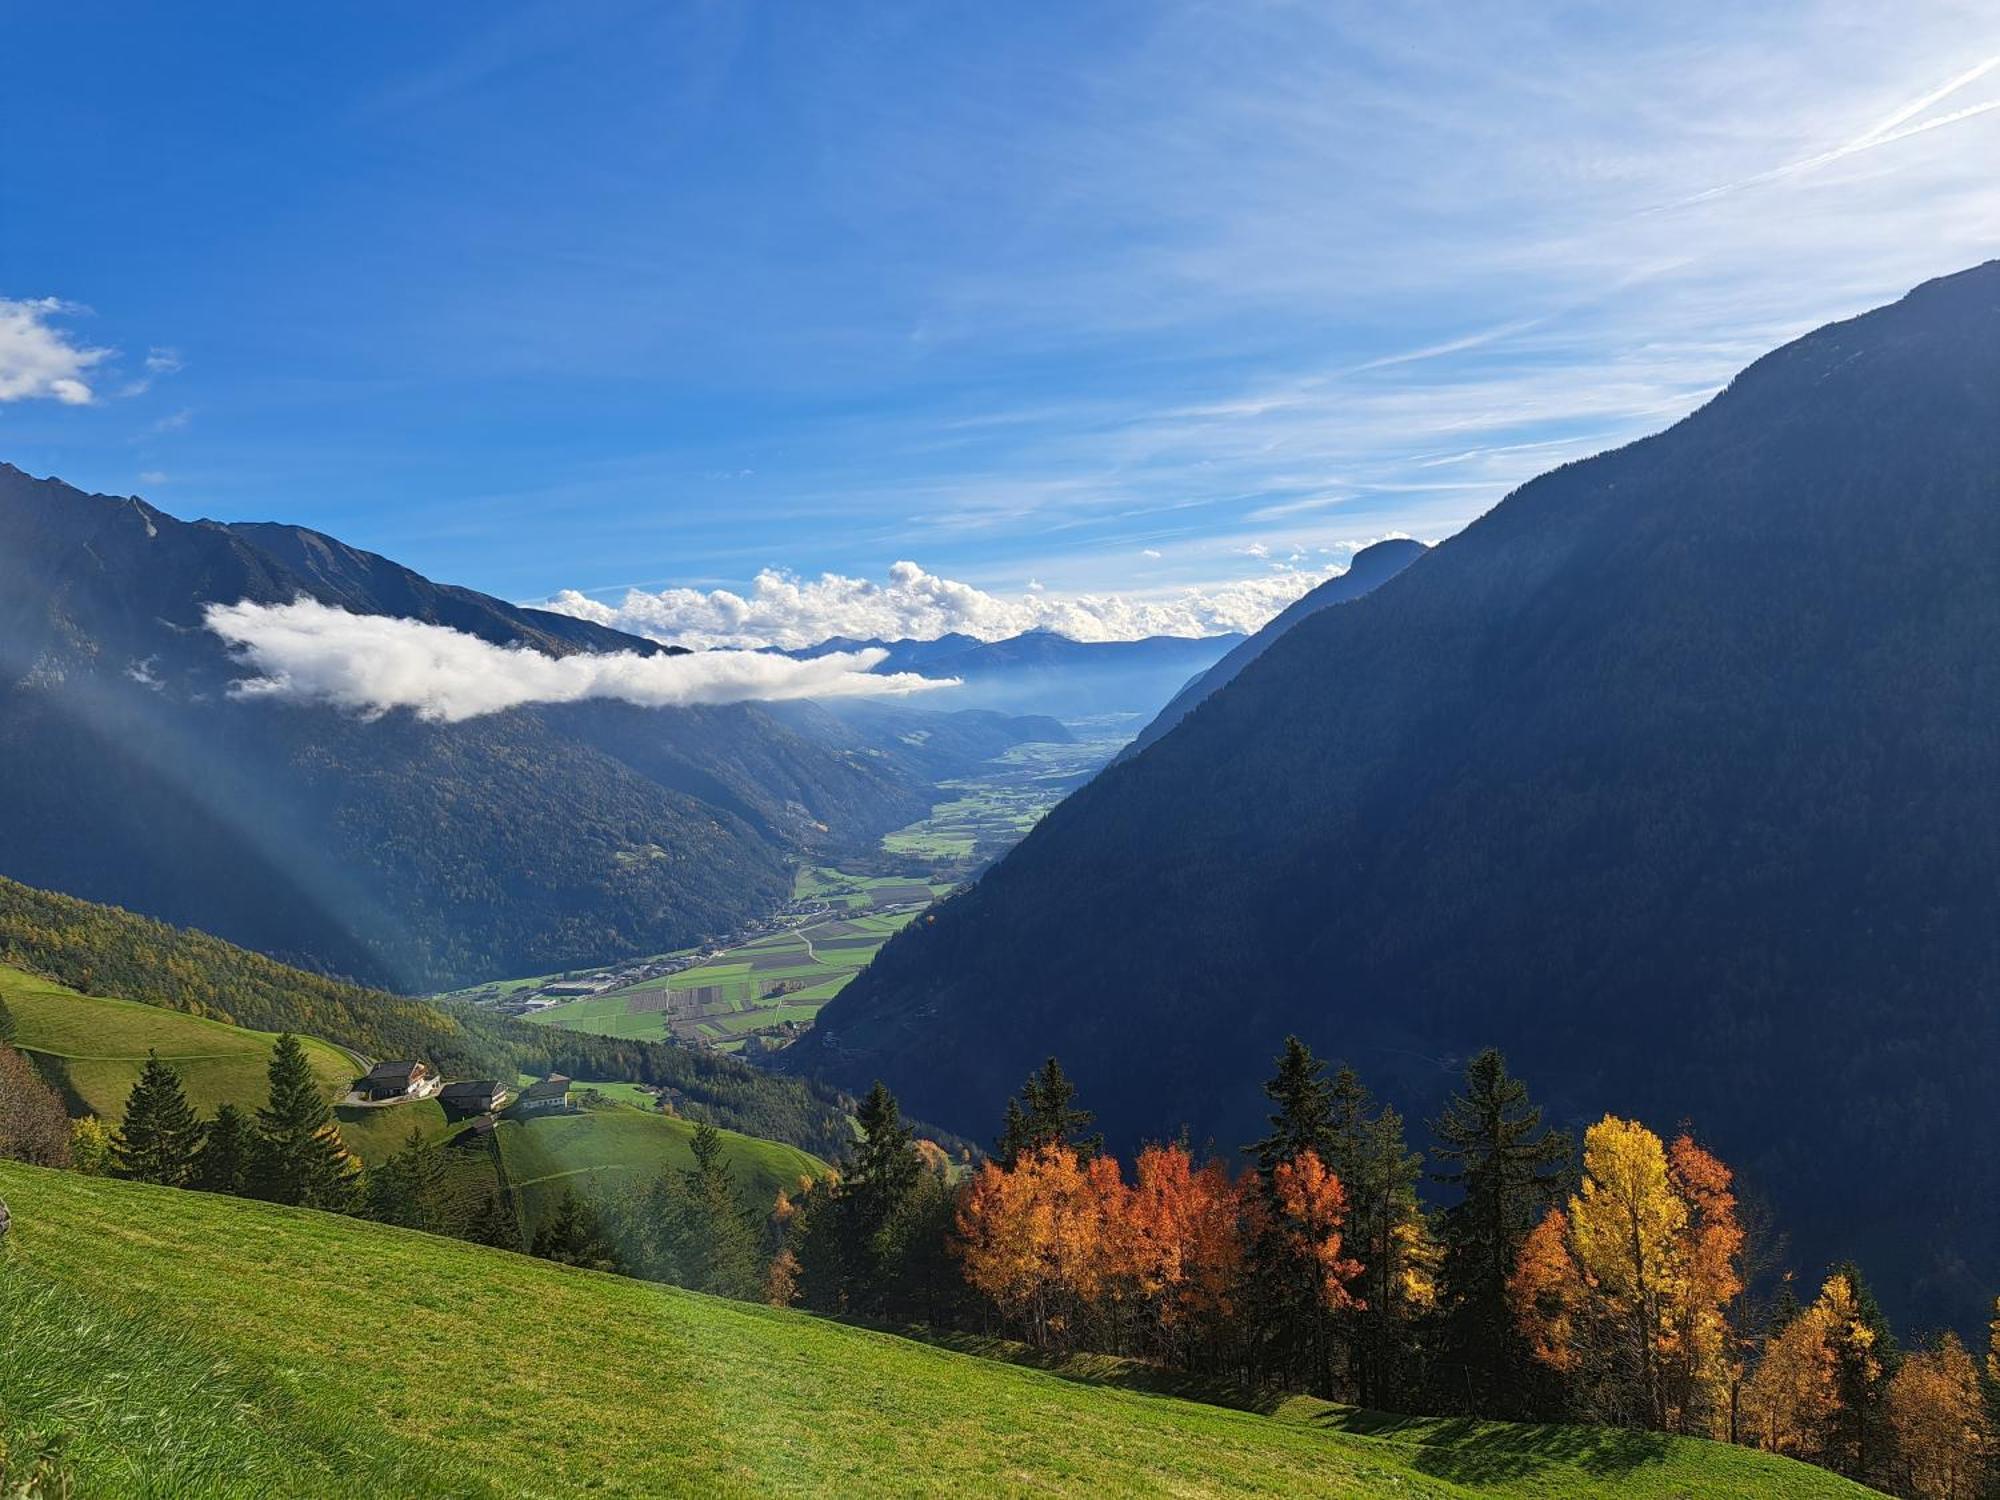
{"x":1113,"y":299}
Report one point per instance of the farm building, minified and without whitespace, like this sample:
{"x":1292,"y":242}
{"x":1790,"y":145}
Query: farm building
{"x":392,"y":1080}
{"x":472,"y":1097}
{"x":545,"y":1096}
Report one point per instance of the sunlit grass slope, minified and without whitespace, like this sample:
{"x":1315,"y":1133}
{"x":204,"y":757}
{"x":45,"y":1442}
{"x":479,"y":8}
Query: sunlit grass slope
{"x":358,"y":1351}
{"x":96,"y":1046}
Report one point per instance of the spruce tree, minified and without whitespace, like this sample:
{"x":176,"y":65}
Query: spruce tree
{"x":408,"y":1187}
{"x":574,"y":1236}
{"x":223,"y":1165}
{"x":161,"y":1133}
{"x":1045,"y":1115}
{"x":299,"y":1158}
{"x":1303,"y":1119}
{"x":719,"y":1248}
{"x":1509,"y":1168}
{"x":494,"y":1224}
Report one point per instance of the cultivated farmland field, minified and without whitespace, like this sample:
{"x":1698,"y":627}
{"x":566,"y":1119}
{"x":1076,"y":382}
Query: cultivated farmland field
{"x":92,"y":1047}
{"x":984,"y":816}
{"x":770,"y":984}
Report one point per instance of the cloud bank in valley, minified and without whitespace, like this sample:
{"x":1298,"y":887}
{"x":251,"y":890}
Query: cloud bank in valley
{"x":781,"y":609}
{"x":310,"y":652}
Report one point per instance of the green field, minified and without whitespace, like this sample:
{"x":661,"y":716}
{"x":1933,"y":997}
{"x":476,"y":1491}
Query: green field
{"x":92,"y":1048}
{"x":984,"y":815}
{"x":339,"y":1357}
{"x":770,"y":983}
{"x":613,"y":1146}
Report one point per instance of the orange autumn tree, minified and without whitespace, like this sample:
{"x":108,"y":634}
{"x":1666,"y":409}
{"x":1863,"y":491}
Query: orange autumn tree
{"x":1792,"y":1398}
{"x":1046,"y":1240}
{"x":1185,"y":1250}
{"x":1626,"y":1291}
{"x":1944,"y":1433}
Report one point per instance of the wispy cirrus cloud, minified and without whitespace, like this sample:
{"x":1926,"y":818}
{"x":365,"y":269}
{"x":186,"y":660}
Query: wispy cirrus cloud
{"x":308,"y":652}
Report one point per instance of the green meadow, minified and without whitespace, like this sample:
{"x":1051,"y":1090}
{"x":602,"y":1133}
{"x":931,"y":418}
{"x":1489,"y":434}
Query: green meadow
{"x":349,"y":1358}
{"x":92,"y":1048}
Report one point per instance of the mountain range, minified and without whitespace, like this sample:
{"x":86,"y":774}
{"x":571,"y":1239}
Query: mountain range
{"x":1043,"y":672}
{"x":1676,"y":775}
{"x":396,"y":850}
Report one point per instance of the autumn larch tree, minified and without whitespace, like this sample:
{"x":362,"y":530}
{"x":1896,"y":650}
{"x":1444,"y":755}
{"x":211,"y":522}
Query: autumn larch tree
{"x":299,"y":1158}
{"x":1937,"y":1411}
{"x":1186,"y":1254}
{"x":161,"y":1133}
{"x":1509,"y":1168}
{"x":1625,"y":1292}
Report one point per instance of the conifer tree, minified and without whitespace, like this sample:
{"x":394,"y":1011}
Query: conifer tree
{"x":492,"y":1224}
{"x":1509,"y":1168}
{"x":299,"y":1158}
{"x":1867,"y":1359}
{"x":574,"y":1236}
{"x":720,"y":1243}
{"x":161,"y":1133}
{"x":1046,"y":1115}
{"x":407,"y":1189}
{"x":223,"y":1164}
{"x":1303,"y":1119}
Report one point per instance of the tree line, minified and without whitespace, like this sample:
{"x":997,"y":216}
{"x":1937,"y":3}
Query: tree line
{"x":288,"y":1150}
{"x":1616,"y":1279}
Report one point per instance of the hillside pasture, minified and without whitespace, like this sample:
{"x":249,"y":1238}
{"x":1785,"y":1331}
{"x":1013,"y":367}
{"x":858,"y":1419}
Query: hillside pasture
{"x":176,"y":1343}
{"x":92,"y":1047}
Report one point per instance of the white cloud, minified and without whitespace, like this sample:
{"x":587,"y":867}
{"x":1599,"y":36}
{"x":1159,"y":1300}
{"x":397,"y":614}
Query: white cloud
{"x":163,"y":361}
{"x":782,"y":609}
{"x":153,"y":476}
{"x":1151,"y":553}
{"x":38,"y":359}
{"x":371,"y":664}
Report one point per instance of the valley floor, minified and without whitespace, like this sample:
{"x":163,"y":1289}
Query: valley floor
{"x":334,"y":1357}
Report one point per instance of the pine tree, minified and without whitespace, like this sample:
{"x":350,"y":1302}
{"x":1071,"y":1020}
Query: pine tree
{"x":408,"y":1187}
{"x":574,"y":1236}
{"x":1509,"y":1169}
{"x":720,"y":1245}
{"x":223,"y":1165}
{"x":161,"y":1133}
{"x":1303,"y":1120}
{"x":492,"y":1224}
{"x":299,"y":1158}
{"x":1868,"y":1359}
{"x":1297,"y":1321}
{"x":1046,"y":1116}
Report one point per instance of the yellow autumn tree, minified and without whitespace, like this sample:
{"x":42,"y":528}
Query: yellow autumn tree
{"x":1791,"y":1399}
{"x":1626,"y":1292}
{"x":1938,"y":1413}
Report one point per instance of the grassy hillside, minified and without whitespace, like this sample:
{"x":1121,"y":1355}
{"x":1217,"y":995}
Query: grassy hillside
{"x":101,"y":950}
{"x":614,"y":1145}
{"x":92,"y":1048}
{"x":350,"y":1351}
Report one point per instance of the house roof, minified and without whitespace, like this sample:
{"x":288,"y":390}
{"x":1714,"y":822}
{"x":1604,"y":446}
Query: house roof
{"x":484,"y":1088}
{"x":546,"y":1088}
{"x":398,"y":1069}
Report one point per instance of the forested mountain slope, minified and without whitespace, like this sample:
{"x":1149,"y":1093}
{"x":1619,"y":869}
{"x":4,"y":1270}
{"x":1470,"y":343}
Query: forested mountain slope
{"x":1677,"y":775}
{"x":1372,"y":567}
{"x":399,"y":851}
